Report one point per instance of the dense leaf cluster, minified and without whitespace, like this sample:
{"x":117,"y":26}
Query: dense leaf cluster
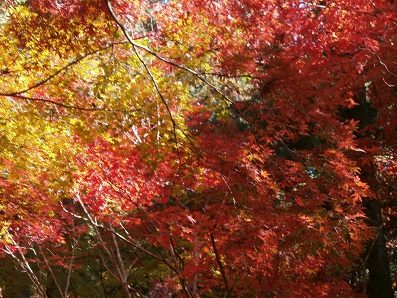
{"x":198,"y":148}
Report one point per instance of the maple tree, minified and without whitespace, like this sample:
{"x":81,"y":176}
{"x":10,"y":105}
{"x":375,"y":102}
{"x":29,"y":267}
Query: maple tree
{"x":219,"y":148}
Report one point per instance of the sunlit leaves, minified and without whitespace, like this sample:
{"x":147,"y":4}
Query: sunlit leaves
{"x":223,"y":139}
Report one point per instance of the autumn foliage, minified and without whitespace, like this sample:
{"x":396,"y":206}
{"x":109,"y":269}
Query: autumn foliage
{"x":198,"y":148}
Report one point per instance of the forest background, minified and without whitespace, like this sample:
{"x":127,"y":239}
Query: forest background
{"x":220,"y":148}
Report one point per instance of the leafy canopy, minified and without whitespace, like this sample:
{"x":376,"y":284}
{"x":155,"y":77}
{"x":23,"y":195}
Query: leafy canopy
{"x":227,"y":141}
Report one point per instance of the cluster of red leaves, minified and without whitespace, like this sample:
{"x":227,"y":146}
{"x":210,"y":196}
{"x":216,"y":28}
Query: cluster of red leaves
{"x":268,"y":199}
{"x":28,"y":212}
{"x":263,"y":216}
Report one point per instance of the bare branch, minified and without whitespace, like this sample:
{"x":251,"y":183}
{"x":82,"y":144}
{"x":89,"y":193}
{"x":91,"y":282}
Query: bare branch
{"x":59,"y":104}
{"x":64,"y":68}
{"x":95,"y":224}
{"x":51,"y":272}
{"x":221,"y":269}
{"x":25,"y":265}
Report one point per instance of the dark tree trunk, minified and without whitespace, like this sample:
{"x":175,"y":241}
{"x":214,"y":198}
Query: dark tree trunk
{"x":380,"y":285}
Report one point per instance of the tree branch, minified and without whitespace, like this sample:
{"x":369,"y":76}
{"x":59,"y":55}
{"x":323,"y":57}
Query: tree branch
{"x":59,"y":104}
{"x":64,"y":68}
{"x":222,"y":270}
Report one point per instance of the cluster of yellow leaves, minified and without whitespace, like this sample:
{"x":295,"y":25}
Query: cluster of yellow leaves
{"x":60,"y":78}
